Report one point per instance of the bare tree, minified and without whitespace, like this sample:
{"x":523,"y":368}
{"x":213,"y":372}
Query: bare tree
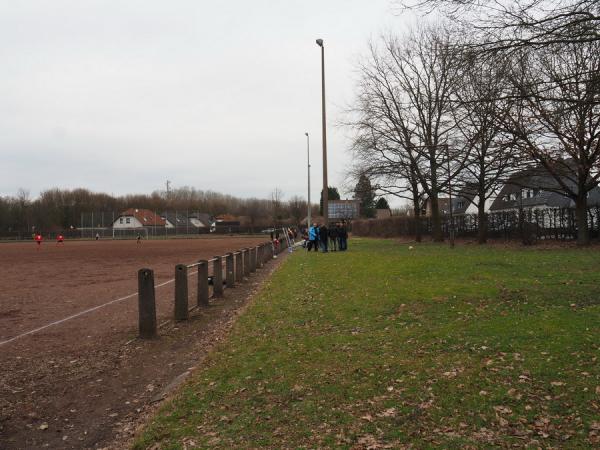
{"x":405,"y":116}
{"x":297,"y":208}
{"x":484,"y":101}
{"x":520,"y":23}
{"x":391,"y":174}
{"x":557,"y":120}
{"x":276,"y":204}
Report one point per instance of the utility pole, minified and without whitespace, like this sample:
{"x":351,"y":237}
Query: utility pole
{"x":325,"y":184}
{"x":308,"y":218}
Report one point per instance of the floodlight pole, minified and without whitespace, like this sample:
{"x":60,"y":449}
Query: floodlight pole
{"x":325,"y":186}
{"x":308,"y":218}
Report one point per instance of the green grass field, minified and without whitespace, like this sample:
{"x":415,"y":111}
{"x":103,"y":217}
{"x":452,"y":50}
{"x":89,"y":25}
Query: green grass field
{"x":385,"y":347}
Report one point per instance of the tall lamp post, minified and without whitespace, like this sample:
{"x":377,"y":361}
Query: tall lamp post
{"x":308,"y":219}
{"x":325,"y":186}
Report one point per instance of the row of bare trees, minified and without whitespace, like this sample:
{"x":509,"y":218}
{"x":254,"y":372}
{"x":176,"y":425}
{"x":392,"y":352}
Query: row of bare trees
{"x":440,"y":110}
{"x":62,"y":209}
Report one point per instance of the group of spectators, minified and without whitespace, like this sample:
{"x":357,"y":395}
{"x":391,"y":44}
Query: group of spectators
{"x":334,"y":238}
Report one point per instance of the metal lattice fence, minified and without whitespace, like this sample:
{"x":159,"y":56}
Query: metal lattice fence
{"x":176,"y":223}
{"x":549,"y":223}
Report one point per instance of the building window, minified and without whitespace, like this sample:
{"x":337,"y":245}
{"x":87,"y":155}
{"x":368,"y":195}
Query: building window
{"x":121,"y":220}
{"x":128,"y":220}
{"x":527,"y":193}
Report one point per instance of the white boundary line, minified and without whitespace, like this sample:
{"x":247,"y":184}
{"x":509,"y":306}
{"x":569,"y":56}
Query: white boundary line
{"x":79,"y":314}
{"x":87,"y":311}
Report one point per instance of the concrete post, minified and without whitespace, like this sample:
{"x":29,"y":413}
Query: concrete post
{"x":239,"y":267}
{"x":146,"y":304}
{"x":252,"y":259}
{"x":229,"y":274}
{"x":218,"y":277}
{"x":246,"y":254}
{"x":259,"y":250}
{"x":203,"y":282}
{"x":181,"y":292}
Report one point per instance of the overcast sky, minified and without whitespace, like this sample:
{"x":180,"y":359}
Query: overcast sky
{"x":118,"y":96}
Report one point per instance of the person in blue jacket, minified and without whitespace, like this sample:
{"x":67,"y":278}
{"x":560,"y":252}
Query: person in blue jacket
{"x":313,"y":237}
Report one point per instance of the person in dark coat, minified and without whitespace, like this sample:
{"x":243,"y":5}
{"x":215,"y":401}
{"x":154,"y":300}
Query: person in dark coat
{"x":343,"y":237}
{"x":323,"y":237}
{"x":333,"y":237}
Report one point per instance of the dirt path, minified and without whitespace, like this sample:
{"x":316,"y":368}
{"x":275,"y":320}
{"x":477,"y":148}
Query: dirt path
{"x":87,"y":382}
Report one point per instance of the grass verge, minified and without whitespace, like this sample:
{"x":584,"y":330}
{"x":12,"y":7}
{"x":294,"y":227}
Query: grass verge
{"x":385,"y":347}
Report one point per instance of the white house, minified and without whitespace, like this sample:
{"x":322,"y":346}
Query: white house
{"x":138,"y":218}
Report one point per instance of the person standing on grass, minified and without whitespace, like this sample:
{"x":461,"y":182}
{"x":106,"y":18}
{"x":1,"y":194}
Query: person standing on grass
{"x":60,"y":239}
{"x":323,"y":237}
{"x":313,"y":238}
{"x":139,"y":238}
{"x":333,"y":237}
{"x":343,"y":237}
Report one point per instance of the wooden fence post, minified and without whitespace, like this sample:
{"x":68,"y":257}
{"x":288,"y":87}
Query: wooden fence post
{"x":218,"y":277}
{"x":259,"y":256}
{"x":181,"y":292}
{"x":252,"y":257}
{"x":246,"y":255}
{"x":146,"y":304}
{"x":239,"y":267}
{"x":203,"y":282}
{"x":230,"y":276}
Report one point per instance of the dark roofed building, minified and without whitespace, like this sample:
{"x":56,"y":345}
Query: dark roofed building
{"x":531,"y":189}
{"x":181,"y":220}
{"x":202,"y":220}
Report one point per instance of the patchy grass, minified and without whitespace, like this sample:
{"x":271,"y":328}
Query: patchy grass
{"x":384,"y":347}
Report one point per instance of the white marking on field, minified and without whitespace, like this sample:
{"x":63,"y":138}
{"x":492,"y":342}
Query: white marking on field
{"x":79,"y":314}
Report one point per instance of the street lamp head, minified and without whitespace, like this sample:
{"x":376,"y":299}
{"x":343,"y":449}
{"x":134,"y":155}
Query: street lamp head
{"x":320,"y":42}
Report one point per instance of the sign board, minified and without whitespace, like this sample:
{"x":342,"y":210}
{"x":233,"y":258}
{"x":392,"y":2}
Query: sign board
{"x":344,"y":209}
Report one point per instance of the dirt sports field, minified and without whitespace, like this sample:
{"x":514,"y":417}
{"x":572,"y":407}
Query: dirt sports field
{"x":87,"y":382}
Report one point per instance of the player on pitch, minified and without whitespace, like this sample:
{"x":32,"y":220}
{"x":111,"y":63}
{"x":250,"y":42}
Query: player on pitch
{"x":38,"y":239}
{"x":60,"y":239}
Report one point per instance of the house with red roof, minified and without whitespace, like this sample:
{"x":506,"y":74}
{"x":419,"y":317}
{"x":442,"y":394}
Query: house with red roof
{"x":138,"y":218}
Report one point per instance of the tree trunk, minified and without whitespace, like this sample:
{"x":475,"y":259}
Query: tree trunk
{"x":482,"y":222}
{"x":417,"y":213}
{"x":583,"y":237}
{"x":436,"y":219}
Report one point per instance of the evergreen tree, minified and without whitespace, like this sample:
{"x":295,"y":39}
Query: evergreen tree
{"x":364,"y":192}
{"x":332,"y":194}
{"x":382,"y":203}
